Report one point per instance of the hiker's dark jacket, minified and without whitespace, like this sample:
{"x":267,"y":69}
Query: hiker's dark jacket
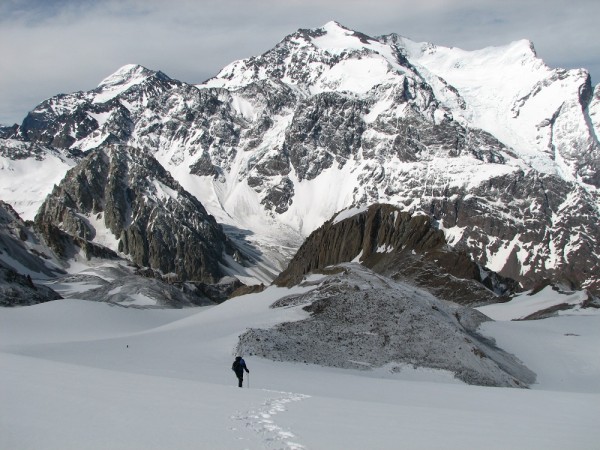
{"x":239,"y":365}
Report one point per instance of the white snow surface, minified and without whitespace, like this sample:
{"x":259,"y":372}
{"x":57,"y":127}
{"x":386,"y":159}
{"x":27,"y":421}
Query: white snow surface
{"x":347,"y":213}
{"x":525,"y":304}
{"x":78,"y":374}
{"x":500,"y":86}
{"x":103,"y":235}
{"x":24,"y":183}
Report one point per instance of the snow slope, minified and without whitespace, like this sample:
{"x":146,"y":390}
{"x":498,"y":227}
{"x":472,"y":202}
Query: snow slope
{"x":24,"y":183}
{"x":524,"y":304}
{"x":76,"y":374}
{"x":502,"y":88}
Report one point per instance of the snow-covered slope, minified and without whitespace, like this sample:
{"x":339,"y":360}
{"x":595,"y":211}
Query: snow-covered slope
{"x":27,"y":174}
{"x":79,"y":374}
{"x":508,"y":91}
{"x":534,"y":305}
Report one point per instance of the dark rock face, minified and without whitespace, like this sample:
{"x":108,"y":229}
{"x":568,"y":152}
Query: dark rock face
{"x":327,"y":121}
{"x":21,"y":250}
{"x":7,"y":132}
{"x":279,"y":197}
{"x":19,"y":290}
{"x":156,"y":222}
{"x":402,"y":246}
{"x":532,"y":214}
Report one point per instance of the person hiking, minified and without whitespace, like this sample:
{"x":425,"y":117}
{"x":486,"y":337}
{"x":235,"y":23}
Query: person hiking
{"x":239,"y":365}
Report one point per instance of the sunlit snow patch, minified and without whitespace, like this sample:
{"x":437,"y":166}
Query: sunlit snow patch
{"x":347,"y":213}
{"x":524,"y":305}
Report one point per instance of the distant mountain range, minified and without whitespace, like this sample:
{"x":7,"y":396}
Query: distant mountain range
{"x":491,"y":151}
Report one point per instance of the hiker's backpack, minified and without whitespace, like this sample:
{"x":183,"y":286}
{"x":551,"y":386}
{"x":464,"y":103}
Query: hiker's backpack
{"x":236,"y":366}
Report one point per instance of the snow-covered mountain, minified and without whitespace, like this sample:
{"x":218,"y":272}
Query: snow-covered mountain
{"x":499,"y":149}
{"x":388,"y":178}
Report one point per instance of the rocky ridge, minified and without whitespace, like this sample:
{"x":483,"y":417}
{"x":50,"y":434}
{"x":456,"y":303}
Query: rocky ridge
{"x":147,"y":214}
{"x":401,"y":246}
{"x":23,"y":254}
{"x":17,"y":289}
{"x":39,"y":267}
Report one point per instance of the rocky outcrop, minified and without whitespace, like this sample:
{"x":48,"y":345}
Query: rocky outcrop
{"x":360,"y":320}
{"x":19,"y":290}
{"x":23,"y":254}
{"x":122,"y":197}
{"x":400,"y":245}
{"x":326,"y":128}
{"x":7,"y":132}
{"x":594,"y":111}
{"x":22,"y":249}
{"x":516,"y":223}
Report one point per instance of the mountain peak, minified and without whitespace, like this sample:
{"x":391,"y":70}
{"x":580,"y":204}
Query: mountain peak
{"x":126,"y":77}
{"x":372,"y":119}
{"x":525,"y":45}
{"x":127,"y":74}
{"x":336,"y":36}
{"x":334,"y":25}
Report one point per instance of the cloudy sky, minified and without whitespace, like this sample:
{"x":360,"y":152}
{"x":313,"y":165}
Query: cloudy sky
{"x":59,"y":46}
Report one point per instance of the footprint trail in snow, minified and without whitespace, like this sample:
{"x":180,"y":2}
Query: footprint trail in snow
{"x":261,"y":421}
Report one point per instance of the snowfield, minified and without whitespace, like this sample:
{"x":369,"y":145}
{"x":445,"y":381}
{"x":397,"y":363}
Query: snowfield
{"x":77,"y":374}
